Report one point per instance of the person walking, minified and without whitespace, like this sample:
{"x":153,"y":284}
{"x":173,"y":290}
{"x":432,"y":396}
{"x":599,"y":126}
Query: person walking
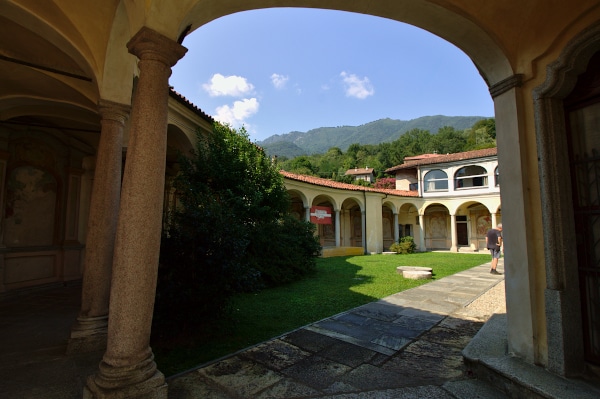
{"x":493,"y":241}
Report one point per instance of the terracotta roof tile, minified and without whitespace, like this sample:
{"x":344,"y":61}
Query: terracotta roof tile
{"x":459,"y":156}
{"x":187,"y":103}
{"x":319,"y":181}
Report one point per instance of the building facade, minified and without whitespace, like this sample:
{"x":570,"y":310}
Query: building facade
{"x":97,"y":77}
{"x":454,"y":213}
{"x":366,"y":174}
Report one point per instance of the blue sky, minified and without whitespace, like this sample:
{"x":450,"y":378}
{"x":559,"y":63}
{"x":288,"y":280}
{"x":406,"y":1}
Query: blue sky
{"x":280,"y":70}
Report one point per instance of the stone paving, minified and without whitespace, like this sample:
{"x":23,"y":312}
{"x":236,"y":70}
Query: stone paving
{"x":407,"y":345}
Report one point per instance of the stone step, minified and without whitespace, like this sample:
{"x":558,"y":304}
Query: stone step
{"x":487,"y":357}
{"x":473,"y":389}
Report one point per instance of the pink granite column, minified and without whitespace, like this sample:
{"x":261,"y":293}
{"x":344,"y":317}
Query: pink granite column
{"x":89,"y":331}
{"x":127,"y":369}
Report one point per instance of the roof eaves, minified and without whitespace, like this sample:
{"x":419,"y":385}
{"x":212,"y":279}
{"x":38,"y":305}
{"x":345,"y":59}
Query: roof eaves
{"x":188,"y":104}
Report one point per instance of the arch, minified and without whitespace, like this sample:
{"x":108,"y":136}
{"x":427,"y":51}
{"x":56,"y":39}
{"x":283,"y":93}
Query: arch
{"x":457,"y":29}
{"x":351,"y":223}
{"x":177,"y":142}
{"x":71,"y":49}
{"x":388,"y":226}
{"x":478,"y":218}
{"x":50,"y":79}
{"x":470,"y":176}
{"x":322,"y":198}
{"x":497,"y":176}
{"x":437,"y":226}
{"x":565,"y":348}
{"x":327,"y":232}
{"x":408,"y":221}
{"x":391,"y":205}
{"x":435,"y":180}
{"x":357,"y":200}
{"x":116,"y":82}
{"x":298,"y":204}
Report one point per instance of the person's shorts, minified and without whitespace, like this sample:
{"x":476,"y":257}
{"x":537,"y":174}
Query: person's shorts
{"x":495,"y":253}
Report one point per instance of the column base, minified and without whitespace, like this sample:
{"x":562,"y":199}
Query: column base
{"x":153,"y":388}
{"x":140,"y":380}
{"x":88,"y":334}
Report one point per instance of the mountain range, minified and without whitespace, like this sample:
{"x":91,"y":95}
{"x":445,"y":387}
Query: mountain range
{"x":319,"y":140}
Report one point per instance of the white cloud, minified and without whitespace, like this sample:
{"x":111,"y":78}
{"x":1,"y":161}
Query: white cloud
{"x":357,"y":87}
{"x":279,"y":81}
{"x":235,"y":86}
{"x":237,"y":114}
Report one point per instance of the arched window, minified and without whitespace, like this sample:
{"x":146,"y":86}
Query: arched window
{"x":471,"y":176}
{"x":436,"y":180}
{"x":497,"y":177}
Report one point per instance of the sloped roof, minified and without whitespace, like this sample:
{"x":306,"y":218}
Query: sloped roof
{"x":188,"y":104}
{"x":359,"y":171}
{"x":459,"y":156}
{"x":319,"y":181}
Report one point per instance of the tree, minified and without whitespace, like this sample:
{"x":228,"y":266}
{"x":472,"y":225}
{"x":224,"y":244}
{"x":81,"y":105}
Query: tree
{"x":448,"y":140}
{"x":488,"y":124}
{"x":416,"y":142}
{"x":233,"y":221}
{"x":481,"y":135}
{"x":301,"y":165}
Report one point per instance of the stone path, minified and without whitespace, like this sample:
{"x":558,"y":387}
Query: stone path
{"x":407,"y":345}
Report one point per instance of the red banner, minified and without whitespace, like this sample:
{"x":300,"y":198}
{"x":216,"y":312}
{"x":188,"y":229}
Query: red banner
{"x":320,"y":215}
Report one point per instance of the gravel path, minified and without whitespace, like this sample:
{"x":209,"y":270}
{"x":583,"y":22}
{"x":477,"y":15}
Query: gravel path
{"x":492,"y":301}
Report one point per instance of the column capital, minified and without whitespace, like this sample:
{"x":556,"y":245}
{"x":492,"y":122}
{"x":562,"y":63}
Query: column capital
{"x":148,"y":44}
{"x":506,"y":84}
{"x":114,"y":111}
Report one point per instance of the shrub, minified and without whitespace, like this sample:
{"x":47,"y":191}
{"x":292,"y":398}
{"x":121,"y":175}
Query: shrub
{"x":291,"y":257}
{"x":231,"y":233}
{"x":406,"y":245}
{"x":386,"y":183}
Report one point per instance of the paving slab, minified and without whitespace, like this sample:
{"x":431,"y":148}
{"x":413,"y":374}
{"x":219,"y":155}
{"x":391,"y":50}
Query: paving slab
{"x":403,"y":346}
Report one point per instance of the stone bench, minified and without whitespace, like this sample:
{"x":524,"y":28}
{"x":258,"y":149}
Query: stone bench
{"x":415,"y":272}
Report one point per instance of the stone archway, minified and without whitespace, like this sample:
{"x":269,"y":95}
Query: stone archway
{"x":564,"y":323}
{"x":437,"y":227}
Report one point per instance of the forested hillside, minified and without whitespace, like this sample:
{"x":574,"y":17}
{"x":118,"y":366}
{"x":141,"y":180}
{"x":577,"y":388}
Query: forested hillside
{"x":334,"y":162}
{"x":318,"y":141}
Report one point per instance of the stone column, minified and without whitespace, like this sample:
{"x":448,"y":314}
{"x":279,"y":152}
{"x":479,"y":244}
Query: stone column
{"x":307,"y":213}
{"x":422,"y":233}
{"x":396,"y":230}
{"x":363,"y":226}
{"x":523,"y":312}
{"x":454,"y":246}
{"x":337,"y":228}
{"x":89,"y":331}
{"x":494,"y":220}
{"x":128,"y":369}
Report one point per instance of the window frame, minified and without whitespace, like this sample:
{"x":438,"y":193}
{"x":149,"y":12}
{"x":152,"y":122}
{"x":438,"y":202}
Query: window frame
{"x":435,"y":181}
{"x":459,"y":179}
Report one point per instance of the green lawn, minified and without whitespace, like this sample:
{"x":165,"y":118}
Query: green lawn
{"x":339,"y":284}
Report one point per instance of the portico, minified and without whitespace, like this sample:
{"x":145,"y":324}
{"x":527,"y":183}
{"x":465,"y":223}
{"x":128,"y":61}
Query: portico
{"x":73,"y":74}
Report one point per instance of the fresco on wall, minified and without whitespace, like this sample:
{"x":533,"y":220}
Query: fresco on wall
{"x":484,"y":223}
{"x":436,"y":228}
{"x":30,"y":208}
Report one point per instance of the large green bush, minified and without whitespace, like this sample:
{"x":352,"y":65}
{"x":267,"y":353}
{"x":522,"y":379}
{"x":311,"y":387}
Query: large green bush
{"x":231,"y":232}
